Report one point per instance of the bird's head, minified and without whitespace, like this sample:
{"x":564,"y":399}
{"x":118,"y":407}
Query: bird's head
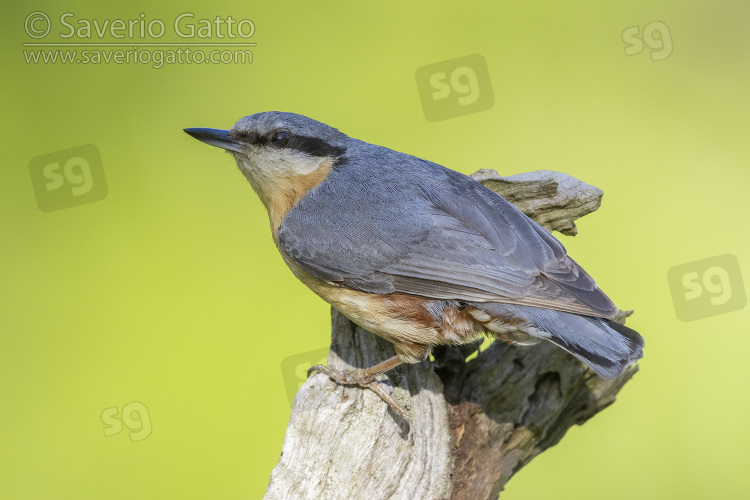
{"x":282,"y":155}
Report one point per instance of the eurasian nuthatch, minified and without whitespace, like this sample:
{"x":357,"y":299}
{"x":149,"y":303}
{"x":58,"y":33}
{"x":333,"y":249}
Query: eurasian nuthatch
{"x":414,"y":252}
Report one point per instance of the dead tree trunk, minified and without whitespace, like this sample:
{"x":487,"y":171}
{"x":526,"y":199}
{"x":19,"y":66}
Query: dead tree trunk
{"x":473,"y":423}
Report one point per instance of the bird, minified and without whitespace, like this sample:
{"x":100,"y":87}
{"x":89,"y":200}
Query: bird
{"x":416,"y":253}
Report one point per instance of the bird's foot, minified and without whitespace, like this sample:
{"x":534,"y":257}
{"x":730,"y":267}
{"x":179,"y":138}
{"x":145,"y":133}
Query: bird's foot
{"x":346,"y":377}
{"x":361,"y":378}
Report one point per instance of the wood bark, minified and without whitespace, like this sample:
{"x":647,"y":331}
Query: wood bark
{"x":474,"y":423}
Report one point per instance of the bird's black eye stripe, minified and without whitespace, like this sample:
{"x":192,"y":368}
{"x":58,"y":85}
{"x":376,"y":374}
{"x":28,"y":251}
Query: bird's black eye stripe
{"x":247,"y":137}
{"x":313,"y":146}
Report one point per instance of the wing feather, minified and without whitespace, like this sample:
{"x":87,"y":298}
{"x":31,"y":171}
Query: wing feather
{"x":440,"y":234}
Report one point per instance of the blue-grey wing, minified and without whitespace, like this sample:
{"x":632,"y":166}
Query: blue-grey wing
{"x":436,"y":233}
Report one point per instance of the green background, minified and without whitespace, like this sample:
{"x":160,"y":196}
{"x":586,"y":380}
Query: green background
{"x":170,"y":291}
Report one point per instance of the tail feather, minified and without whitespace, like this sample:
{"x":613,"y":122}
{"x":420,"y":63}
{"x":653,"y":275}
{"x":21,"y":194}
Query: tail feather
{"x":607,"y":347}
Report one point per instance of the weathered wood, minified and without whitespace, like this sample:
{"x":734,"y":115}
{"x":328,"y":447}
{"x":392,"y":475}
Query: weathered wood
{"x":473,"y":423}
{"x":553,"y":199}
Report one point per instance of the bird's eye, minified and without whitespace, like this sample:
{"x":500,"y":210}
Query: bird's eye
{"x":280,"y":139}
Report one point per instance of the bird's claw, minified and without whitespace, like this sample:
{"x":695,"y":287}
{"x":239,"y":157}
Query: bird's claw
{"x":358,"y":377}
{"x":317,"y":368}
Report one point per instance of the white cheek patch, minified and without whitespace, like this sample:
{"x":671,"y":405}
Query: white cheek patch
{"x":272,"y":163}
{"x":297,"y":163}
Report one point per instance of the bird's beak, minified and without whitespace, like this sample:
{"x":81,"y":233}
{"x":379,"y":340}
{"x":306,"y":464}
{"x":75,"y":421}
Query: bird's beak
{"x":216,"y":137}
